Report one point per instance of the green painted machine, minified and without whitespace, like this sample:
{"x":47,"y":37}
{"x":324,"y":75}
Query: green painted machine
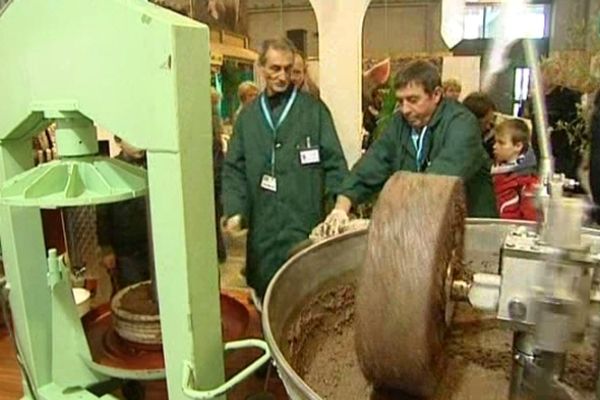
{"x":141,"y":72}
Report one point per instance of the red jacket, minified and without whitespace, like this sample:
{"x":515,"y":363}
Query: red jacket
{"x":515,"y":186}
{"x":515,"y":195}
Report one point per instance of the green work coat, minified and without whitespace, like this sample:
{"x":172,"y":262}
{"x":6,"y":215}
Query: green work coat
{"x":452,"y":146}
{"x":279,"y":220}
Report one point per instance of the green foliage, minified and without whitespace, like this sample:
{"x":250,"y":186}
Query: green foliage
{"x":232,"y":76}
{"x":385,"y":117}
{"x":577,"y":131}
{"x":387,"y":110}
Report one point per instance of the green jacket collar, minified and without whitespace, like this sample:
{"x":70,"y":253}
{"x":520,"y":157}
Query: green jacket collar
{"x":437,"y":115}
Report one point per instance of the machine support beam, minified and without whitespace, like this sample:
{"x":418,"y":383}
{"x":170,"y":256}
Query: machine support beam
{"x":23,"y":245}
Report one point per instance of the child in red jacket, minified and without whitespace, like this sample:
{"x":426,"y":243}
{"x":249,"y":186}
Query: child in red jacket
{"x":514,"y":172}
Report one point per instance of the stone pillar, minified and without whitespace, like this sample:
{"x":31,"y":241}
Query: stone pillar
{"x":340,"y":27}
{"x":452,"y":21}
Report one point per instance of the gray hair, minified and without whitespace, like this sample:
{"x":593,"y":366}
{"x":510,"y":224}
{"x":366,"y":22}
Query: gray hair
{"x":281,"y":44}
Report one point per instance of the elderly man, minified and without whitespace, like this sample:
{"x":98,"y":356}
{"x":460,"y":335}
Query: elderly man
{"x":430,"y":135}
{"x":284,"y":162}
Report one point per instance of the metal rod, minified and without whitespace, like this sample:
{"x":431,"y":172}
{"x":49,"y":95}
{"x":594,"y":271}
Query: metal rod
{"x":597,"y":333}
{"x":549,"y":368}
{"x":151,"y":265}
{"x":541,"y":117}
{"x":522,"y":362}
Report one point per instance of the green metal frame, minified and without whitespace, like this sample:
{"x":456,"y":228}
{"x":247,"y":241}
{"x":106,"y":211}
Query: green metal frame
{"x":188,"y":382}
{"x":141,"y":72}
{"x":80,"y":177}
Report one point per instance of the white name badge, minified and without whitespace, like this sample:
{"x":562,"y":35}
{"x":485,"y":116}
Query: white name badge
{"x":310,"y":156}
{"x":269,"y":183}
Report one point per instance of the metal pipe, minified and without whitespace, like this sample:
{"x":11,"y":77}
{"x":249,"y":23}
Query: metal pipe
{"x":536,"y":374}
{"x":597,"y":368}
{"x":541,"y":118}
{"x":564,"y":391}
{"x":151,"y":265}
{"x":522,"y":365}
{"x":549,"y":367}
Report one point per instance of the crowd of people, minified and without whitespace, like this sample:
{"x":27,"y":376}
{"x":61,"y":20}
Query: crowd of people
{"x":284,"y":176}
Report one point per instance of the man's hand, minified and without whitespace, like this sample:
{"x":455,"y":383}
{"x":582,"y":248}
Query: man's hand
{"x":335,"y":221}
{"x":233,"y":224}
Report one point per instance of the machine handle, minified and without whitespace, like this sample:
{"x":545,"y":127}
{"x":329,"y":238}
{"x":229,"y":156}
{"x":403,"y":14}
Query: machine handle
{"x":188,"y":371}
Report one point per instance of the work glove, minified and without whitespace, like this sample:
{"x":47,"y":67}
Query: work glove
{"x":333,"y":225}
{"x":233,"y":224}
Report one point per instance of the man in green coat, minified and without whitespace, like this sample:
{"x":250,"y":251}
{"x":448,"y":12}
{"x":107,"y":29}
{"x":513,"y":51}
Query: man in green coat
{"x":283,"y":161}
{"x":430,"y":135}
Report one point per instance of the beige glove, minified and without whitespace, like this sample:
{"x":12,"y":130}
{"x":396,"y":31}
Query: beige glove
{"x":233,"y":224}
{"x":333,"y":225}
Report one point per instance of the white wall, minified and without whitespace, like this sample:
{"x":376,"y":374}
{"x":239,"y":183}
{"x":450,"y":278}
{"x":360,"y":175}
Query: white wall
{"x":413,"y":26}
{"x":466,"y":70}
{"x":269,"y":23}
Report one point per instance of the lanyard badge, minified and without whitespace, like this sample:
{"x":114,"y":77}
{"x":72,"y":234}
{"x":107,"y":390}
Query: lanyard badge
{"x":310,"y":155}
{"x":418,"y":140}
{"x":269,"y":183}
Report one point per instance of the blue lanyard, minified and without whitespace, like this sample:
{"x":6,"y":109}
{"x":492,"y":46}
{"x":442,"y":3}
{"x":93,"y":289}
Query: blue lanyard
{"x":282,"y":117}
{"x":284,"y":114}
{"x":418,"y":143}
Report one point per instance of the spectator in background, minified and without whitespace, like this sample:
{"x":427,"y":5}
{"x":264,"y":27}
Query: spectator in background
{"x":218,"y":154}
{"x":484,"y":109}
{"x":218,"y":157}
{"x":247,"y":92}
{"x":215,"y":99}
{"x":300,"y":77}
{"x":452,"y":89}
{"x":561,"y":105}
{"x":514,"y":171}
{"x":594,"y":134}
{"x":371,"y":116}
{"x":123,"y":230}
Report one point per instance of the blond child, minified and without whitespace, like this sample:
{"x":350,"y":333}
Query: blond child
{"x":514,"y":171}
